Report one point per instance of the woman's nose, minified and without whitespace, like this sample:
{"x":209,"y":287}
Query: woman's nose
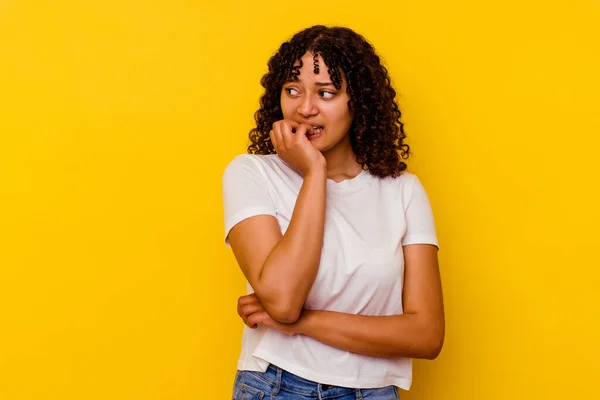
{"x":307,"y":107}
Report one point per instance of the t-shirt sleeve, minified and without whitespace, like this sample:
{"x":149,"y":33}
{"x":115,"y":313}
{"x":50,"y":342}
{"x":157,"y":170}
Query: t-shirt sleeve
{"x":245,"y":192}
{"x":420,"y":225}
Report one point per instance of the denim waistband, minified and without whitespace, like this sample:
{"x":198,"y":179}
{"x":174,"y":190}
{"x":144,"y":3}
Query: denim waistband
{"x":280,"y":378}
{"x":278,"y":383}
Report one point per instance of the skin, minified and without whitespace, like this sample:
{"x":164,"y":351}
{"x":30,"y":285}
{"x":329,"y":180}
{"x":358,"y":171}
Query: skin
{"x":282,"y":268}
{"x":313,"y":100}
{"x":418,"y":333}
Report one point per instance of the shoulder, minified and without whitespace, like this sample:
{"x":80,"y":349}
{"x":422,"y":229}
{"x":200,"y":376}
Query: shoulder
{"x":241,"y":168}
{"x":404,"y":183}
{"x":245,"y":166}
{"x":243,"y":160}
{"x":408,"y":178}
{"x":254,"y":160}
{"x":406,"y":187}
{"x":246,"y":162}
{"x":257,"y":162}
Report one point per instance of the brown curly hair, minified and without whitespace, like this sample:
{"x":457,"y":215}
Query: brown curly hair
{"x":376,"y":134}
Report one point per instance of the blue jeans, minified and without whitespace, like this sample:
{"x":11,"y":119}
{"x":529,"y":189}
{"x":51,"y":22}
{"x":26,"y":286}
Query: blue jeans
{"x":276,"y":383}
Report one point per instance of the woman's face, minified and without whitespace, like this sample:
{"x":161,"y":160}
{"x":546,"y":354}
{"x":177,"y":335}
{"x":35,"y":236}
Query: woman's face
{"x":313,"y":100}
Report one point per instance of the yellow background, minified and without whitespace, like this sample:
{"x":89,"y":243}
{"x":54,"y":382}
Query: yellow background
{"x":117,"y":119}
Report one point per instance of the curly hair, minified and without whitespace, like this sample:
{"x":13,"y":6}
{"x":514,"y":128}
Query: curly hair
{"x":376,"y":134}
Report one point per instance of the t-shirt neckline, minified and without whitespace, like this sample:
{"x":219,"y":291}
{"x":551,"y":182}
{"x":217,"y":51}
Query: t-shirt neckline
{"x":348,"y":183}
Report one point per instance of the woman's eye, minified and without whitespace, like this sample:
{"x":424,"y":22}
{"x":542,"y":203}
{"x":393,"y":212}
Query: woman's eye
{"x":291,"y":91}
{"x":327,"y":95}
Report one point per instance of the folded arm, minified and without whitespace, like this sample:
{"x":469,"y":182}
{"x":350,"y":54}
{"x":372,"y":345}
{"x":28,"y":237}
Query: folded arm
{"x":418,"y":333}
{"x":282,"y":268}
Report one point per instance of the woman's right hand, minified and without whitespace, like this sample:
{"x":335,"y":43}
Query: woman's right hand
{"x":292,"y":146}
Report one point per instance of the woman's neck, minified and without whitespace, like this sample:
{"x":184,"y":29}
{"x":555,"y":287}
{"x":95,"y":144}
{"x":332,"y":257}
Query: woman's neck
{"x":341,"y":162}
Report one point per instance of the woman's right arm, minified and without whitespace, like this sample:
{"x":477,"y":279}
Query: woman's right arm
{"x":282,"y":268}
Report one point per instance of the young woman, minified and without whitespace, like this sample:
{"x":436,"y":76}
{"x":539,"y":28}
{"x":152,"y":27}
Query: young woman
{"x":336,"y":240}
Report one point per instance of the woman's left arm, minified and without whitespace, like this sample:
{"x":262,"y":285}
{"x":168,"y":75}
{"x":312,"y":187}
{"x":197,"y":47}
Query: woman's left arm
{"x":418,"y":333}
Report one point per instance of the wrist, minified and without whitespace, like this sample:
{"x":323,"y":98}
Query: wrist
{"x":305,"y":322}
{"x":317,"y":173}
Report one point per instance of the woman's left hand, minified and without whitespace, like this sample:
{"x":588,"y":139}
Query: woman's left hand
{"x":253,"y":313}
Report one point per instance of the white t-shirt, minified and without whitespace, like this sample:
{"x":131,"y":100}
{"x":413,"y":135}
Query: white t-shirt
{"x":367,"y":221}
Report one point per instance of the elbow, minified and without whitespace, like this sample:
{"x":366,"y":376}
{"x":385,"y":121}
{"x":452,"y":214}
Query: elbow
{"x":286,"y":318}
{"x":431,"y":347}
{"x":426,"y":343}
{"x":432,"y":350}
{"x":282,"y":306}
{"x":285,"y":312}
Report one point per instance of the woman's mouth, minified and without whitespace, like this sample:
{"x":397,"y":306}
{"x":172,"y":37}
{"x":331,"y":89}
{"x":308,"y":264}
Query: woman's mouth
{"x":314,"y":132}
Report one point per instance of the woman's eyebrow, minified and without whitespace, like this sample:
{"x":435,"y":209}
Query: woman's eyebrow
{"x":297,"y":79}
